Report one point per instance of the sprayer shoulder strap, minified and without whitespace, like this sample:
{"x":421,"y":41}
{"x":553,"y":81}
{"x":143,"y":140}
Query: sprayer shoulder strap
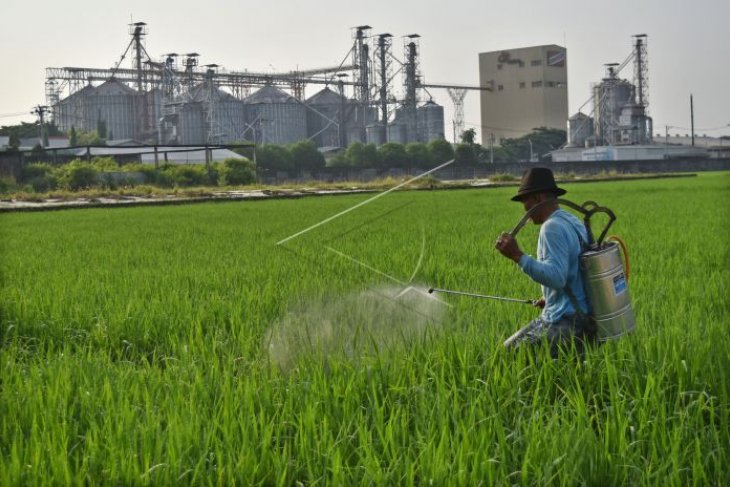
{"x":582,"y":246}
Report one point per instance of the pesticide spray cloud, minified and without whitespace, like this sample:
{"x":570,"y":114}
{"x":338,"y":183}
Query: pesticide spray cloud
{"x":356,"y":326}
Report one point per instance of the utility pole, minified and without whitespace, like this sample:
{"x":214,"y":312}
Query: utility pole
{"x":40,"y":112}
{"x":692,"y":117}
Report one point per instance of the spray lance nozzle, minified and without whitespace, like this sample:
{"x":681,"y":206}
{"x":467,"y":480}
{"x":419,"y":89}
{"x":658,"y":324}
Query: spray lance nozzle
{"x":483,"y":296}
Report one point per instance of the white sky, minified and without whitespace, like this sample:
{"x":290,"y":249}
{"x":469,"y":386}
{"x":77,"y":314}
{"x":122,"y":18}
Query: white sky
{"x":688,"y":43}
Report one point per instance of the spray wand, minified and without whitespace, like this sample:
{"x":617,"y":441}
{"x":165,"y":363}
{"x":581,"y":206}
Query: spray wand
{"x":484,"y":296}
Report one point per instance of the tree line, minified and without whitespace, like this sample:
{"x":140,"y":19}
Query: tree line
{"x":304,"y":155}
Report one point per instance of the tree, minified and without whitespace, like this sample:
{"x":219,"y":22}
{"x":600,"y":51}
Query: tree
{"x":419,"y":155}
{"x":246,"y":152}
{"x":441,"y":151}
{"x":306,"y":156}
{"x":89,"y":138}
{"x":237,"y":171}
{"x":14,"y":141}
{"x":370,"y":155}
{"x":274,"y":158}
{"x":73,"y":137}
{"x":26,"y":130}
{"x":465,"y":154}
{"x":354,"y":155}
{"x":469,"y":136}
{"x":539,"y":143}
{"x":339,"y":160}
{"x":393,"y":154}
{"x":101,"y":128}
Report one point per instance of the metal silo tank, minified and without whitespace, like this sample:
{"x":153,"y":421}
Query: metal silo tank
{"x":230,"y":118}
{"x":278,"y":117}
{"x":397,"y":132}
{"x":580,"y":128}
{"x":375,"y":133}
{"x":609,"y":97}
{"x":326,"y":118}
{"x":430,"y":122}
{"x":117,"y":105}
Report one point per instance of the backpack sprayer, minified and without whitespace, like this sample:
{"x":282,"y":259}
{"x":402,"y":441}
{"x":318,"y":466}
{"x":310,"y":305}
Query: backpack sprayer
{"x":605,"y":273}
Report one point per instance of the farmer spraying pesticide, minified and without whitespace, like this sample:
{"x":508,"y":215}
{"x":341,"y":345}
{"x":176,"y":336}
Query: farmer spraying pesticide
{"x":565,"y":309}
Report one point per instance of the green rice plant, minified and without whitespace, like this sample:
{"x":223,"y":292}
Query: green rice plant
{"x":135,"y":346}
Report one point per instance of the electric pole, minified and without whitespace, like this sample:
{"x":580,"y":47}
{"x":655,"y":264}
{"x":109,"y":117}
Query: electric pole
{"x":40,"y":112}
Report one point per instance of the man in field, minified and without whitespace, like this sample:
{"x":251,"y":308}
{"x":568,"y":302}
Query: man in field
{"x":556,"y":268}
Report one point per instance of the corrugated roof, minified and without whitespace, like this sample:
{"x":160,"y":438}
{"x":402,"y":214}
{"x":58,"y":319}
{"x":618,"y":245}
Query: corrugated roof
{"x":579,"y":116}
{"x":114,"y":87}
{"x":199,"y":93}
{"x":326,"y":96}
{"x":270,"y":94}
{"x":85,"y":91}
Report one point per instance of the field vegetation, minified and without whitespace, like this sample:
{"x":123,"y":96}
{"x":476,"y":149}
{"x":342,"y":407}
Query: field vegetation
{"x":182,"y":345}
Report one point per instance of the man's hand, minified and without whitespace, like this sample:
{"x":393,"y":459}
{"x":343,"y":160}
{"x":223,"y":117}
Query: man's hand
{"x":539,"y":303}
{"x":507,"y":246}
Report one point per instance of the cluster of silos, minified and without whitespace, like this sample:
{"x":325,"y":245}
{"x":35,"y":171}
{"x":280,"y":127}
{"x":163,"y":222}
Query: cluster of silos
{"x":421,"y":124}
{"x":113,"y":103}
{"x":206,"y":114}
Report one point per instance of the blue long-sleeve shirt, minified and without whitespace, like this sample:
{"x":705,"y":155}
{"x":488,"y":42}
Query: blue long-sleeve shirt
{"x":557,"y":264}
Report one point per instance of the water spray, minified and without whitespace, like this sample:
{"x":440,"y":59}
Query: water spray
{"x":483,"y":296}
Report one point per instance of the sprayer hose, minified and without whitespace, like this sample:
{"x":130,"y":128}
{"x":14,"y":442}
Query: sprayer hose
{"x":624,"y":250}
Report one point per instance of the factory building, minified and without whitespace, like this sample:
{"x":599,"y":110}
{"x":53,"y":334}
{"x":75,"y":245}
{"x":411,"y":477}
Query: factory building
{"x":529,"y":90}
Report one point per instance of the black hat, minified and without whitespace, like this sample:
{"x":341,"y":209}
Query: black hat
{"x":537,"y":180}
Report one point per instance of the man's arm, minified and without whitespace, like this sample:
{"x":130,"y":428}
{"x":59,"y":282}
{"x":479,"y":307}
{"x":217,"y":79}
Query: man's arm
{"x":553,"y":270}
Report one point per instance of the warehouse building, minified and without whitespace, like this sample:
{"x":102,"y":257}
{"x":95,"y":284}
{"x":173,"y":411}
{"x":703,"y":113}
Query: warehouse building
{"x":529,"y":90}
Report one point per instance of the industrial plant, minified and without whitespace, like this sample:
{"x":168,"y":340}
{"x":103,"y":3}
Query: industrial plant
{"x":377,"y":94}
{"x":175,"y":100}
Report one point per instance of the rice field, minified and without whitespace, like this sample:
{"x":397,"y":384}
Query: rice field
{"x":182,"y":346}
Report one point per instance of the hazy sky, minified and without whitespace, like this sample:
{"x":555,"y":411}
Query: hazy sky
{"x":688,"y":43}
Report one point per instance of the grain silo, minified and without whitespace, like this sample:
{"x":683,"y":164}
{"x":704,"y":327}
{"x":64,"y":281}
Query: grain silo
{"x":430,"y":122}
{"x":326,"y":117}
{"x":398,"y":132}
{"x":609,"y":97}
{"x":112,"y":104}
{"x":70,"y":112}
{"x":210,"y":115}
{"x":277,"y":118}
{"x":580,"y":130}
{"x":375,"y":133}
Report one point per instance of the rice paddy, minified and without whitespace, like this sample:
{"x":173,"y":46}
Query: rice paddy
{"x":182,"y":345}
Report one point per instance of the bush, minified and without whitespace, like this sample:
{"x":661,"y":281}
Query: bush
{"x":105,"y":164}
{"x":39,"y":176}
{"x":236,"y":171}
{"x":187,"y":175}
{"x":151,"y":174}
{"x":78,"y":175}
{"x":7,"y":185}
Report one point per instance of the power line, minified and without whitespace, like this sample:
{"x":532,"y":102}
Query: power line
{"x":8,"y":115}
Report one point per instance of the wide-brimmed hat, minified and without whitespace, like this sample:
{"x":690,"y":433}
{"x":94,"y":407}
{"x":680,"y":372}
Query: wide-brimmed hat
{"x":537,"y":180}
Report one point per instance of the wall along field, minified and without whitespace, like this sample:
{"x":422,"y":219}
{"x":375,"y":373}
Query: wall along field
{"x":180,"y":344}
